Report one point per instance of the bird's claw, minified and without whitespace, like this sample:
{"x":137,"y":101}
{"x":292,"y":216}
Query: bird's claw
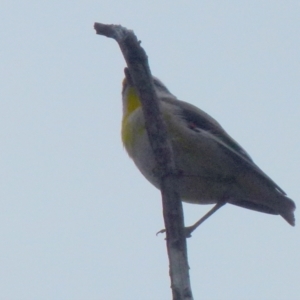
{"x":161,"y":231}
{"x":187,"y":231}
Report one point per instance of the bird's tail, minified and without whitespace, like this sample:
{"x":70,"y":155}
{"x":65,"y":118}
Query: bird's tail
{"x":286,"y":209}
{"x":266,"y":197}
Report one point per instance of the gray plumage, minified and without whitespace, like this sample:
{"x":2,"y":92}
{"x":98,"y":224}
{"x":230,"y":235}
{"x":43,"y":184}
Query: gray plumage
{"x":212,"y":166}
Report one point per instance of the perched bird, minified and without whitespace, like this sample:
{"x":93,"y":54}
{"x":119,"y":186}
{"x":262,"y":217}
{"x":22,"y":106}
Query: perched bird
{"x":212,"y":167}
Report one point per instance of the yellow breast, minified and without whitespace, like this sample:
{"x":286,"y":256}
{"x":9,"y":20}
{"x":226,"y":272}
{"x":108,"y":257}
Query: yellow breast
{"x":132,"y":122}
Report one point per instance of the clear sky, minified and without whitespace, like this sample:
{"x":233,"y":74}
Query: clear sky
{"x":78,"y":220}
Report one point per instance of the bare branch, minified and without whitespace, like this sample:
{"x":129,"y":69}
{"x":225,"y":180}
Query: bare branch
{"x":139,"y":73}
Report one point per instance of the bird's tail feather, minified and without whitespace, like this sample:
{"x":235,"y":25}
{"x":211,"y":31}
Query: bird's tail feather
{"x":287,"y":210}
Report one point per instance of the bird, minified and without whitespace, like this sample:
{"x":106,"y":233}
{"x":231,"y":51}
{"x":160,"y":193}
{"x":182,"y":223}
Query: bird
{"x":212,"y":167}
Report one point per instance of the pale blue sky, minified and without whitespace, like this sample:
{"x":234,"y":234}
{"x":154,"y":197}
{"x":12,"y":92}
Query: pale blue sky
{"x":78,"y":220}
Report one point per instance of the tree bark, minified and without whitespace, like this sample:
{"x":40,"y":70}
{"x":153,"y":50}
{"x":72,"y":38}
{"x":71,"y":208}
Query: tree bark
{"x":139,"y":72}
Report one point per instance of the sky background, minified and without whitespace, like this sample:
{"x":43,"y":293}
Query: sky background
{"x":77,"y":219}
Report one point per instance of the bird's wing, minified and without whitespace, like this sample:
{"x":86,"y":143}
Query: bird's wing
{"x":199,"y":120}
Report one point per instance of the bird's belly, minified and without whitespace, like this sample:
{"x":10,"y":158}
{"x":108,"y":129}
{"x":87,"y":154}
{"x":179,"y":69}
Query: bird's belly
{"x":202,"y":185}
